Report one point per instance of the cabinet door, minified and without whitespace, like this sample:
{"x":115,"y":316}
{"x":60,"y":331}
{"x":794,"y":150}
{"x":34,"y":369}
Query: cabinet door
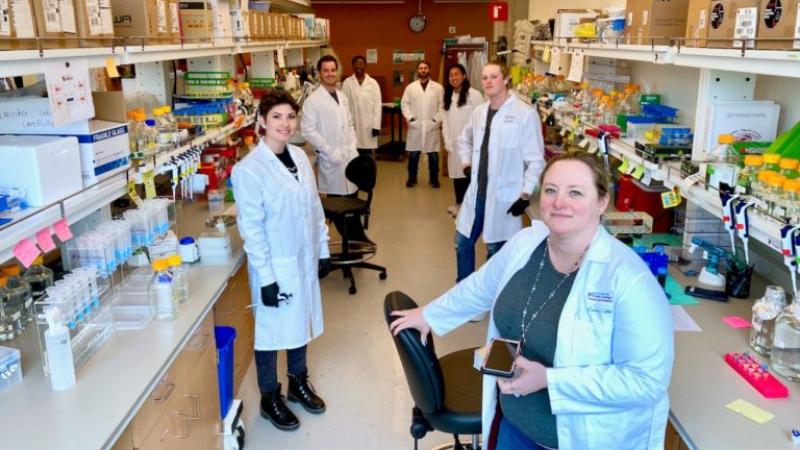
{"x":201,"y":399}
{"x":173,"y":430}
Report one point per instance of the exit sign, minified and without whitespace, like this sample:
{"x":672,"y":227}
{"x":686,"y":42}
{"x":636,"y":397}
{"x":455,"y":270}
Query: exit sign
{"x":498,"y":11}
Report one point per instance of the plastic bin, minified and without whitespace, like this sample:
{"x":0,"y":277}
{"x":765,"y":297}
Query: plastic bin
{"x":225,"y":337}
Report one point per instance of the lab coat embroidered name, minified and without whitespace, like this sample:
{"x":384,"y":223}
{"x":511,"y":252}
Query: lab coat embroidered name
{"x":509,"y":119}
{"x":600,"y":302}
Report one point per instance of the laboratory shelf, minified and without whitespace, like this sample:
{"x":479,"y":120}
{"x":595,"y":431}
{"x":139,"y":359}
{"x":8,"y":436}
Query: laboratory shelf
{"x":212,"y":136}
{"x":619,"y":148}
{"x":73,"y":208}
{"x":767,"y":62}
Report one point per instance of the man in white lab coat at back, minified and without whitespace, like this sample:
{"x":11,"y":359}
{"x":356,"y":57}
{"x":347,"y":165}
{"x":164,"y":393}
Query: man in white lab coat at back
{"x":364,"y":96}
{"x":423,"y":106}
{"x":326,"y":124}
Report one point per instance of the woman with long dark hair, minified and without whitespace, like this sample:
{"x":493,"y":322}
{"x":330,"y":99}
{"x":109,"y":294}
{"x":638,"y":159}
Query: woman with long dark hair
{"x":459,"y":101}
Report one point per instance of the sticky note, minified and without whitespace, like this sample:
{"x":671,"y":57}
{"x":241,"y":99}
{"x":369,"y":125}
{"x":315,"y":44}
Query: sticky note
{"x":736,"y":322}
{"x":111,"y":67}
{"x":750,"y":411}
{"x":133,"y":194}
{"x":26,"y":252}
{"x":631,"y":168}
{"x":45,"y":240}
{"x":62,"y":230}
{"x":670,"y":199}
{"x":149,"y":184}
{"x":638,"y":173}
{"x":624,"y":166}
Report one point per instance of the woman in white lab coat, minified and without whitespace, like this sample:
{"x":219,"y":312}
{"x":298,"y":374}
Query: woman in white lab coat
{"x":364,"y":96}
{"x":459,"y":101}
{"x":281,"y":220}
{"x":422,"y":108}
{"x":594,"y":325}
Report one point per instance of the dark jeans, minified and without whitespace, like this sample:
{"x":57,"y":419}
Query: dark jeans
{"x":510,"y":438}
{"x":267,"y":367}
{"x":465,"y":245}
{"x":355,"y":229}
{"x":433,"y":166}
{"x":460,"y":186}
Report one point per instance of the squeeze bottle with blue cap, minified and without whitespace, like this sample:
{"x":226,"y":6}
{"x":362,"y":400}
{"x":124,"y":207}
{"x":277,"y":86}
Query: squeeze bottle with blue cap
{"x":59,"y":352}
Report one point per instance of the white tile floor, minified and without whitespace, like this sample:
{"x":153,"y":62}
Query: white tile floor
{"x":354,"y":364}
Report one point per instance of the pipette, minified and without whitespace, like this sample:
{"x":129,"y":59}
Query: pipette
{"x":743,"y":225}
{"x":728,"y":214}
{"x":789,"y":250}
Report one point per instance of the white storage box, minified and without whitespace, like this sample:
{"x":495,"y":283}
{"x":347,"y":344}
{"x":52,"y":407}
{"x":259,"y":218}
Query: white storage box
{"x":47,"y":167}
{"x":747,"y":120}
{"x":32,"y":115}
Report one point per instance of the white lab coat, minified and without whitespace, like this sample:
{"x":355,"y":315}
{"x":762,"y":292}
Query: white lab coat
{"x":365,"y":108}
{"x":328,"y":127}
{"x":283,"y":227}
{"x":453,"y":122}
{"x":614,"y":345}
{"x":516,"y":158}
{"x":425,"y":107}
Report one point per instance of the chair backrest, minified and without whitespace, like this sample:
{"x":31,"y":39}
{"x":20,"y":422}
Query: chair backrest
{"x":363,"y":172}
{"x":420,"y":364}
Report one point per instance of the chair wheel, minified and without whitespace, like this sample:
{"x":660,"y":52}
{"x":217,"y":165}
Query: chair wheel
{"x":352,"y":290}
{"x":382,"y":275}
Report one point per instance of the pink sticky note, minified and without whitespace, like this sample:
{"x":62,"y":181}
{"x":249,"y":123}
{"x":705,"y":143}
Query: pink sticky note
{"x":736,"y":322}
{"x":26,"y":252}
{"x":62,"y":230}
{"x":45,"y":240}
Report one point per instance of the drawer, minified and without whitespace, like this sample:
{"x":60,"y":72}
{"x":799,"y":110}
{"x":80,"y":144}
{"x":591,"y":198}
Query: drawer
{"x":172,"y":430}
{"x":201,"y":339}
{"x":156,"y":405}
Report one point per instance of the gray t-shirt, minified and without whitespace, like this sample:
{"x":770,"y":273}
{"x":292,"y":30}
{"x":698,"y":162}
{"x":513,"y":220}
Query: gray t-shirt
{"x":531,"y":414}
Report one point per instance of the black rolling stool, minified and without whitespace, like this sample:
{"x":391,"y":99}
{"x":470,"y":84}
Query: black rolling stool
{"x":446,"y":390}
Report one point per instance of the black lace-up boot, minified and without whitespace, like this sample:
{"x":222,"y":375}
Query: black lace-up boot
{"x":275,"y":410}
{"x":300,"y":390}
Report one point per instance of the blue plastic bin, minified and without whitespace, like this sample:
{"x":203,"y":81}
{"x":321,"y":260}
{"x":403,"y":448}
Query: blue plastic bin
{"x":225,"y":337}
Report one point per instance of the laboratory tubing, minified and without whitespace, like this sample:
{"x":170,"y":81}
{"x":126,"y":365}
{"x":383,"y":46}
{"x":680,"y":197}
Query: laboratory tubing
{"x":723,"y":163}
{"x":785,"y":358}
{"x":179,"y":278}
{"x":161,"y":292}
{"x":765,"y":312}
{"x":19,"y":292}
{"x":9,"y":313}
{"x":60,"y":364}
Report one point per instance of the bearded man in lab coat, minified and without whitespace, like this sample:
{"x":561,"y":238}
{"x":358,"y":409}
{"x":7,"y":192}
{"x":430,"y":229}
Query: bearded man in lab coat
{"x":327,"y":125}
{"x":364,"y":95}
{"x":422,"y":106}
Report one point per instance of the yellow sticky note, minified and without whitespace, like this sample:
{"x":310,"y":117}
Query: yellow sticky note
{"x":149,"y":184}
{"x":111,"y":67}
{"x":638,"y":172}
{"x":546,"y":55}
{"x":133,"y":194}
{"x":670,"y":199}
{"x":624,"y":166}
{"x":750,"y":411}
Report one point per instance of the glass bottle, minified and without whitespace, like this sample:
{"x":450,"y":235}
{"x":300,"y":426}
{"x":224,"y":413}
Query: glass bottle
{"x":161,"y":292}
{"x":788,"y":168}
{"x":39,"y":278}
{"x":746,"y":177}
{"x":775,"y":194}
{"x":759,"y":188}
{"x":772,"y":162}
{"x":20,"y":291}
{"x":765,"y":310}
{"x":9,"y":313}
{"x":179,"y":279}
{"x":785,"y":358}
{"x":723,"y":163}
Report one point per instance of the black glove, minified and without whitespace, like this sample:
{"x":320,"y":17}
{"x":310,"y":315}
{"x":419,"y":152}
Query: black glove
{"x":519,"y":207}
{"x":375,"y":132}
{"x":468,"y":172}
{"x":269,"y":295}
{"x":324,"y":268}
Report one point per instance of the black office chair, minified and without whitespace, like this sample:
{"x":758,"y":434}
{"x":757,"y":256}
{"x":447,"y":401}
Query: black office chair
{"x":446,"y":390}
{"x":353,"y":252}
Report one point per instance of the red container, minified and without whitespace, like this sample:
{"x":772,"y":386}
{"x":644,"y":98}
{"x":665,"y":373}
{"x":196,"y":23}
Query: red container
{"x":635,"y":196}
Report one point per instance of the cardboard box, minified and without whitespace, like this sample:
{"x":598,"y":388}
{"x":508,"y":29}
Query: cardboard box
{"x":110,"y":106}
{"x":779,"y":19}
{"x":196,"y":20}
{"x":697,"y":23}
{"x":55,"y":21}
{"x":142,"y":18}
{"x":661,"y":20}
{"x":568,"y":19}
{"x":95,"y":23}
{"x":723,"y":20}
{"x":20,"y":33}
{"x":632,"y":16}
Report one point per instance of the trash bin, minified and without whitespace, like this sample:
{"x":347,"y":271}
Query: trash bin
{"x":225,"y":337}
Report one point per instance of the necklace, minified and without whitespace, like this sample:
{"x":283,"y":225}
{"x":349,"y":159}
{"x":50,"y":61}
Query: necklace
{"x":524,"y":325}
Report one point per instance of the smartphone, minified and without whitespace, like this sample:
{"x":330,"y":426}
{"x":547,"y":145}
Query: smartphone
{"x":500,"y":360}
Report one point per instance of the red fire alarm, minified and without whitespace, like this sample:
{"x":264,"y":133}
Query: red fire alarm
{"x":498,"y":11}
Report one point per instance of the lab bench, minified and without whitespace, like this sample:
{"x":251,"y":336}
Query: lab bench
{"x":137,"y":376}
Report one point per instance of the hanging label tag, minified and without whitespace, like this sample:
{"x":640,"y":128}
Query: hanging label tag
{"x":624,"y":166}
{"x":111,"y":68}
{"x":592,"y":148}
{"x":576,"y":68}
{"x":646,"y":179}
{"x":670,"y":199}
{"x":45,"y":240}
{"x":26,"y":252}
{"x":133,"y":194}
{"x":149,"y":184}
{"x":638,"y":172}
{"x":62,"y":230}
{"x":584,"y":143}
